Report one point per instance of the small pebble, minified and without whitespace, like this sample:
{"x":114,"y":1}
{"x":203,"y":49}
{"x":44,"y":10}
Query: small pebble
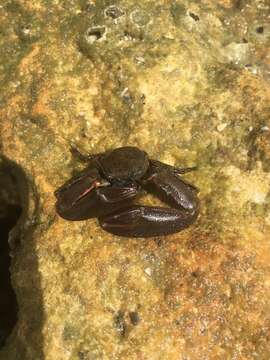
{"x":221,"y":127}
{"x":148,"y":271}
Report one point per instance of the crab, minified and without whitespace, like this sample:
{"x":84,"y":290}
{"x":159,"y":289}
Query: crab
{"x":107,"y":188}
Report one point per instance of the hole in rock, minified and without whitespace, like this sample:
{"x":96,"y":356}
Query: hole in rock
{"x":94,"y":34}
{"x":194,"y":16}
{"x":260,"y":30}
{"x":114,"y":12}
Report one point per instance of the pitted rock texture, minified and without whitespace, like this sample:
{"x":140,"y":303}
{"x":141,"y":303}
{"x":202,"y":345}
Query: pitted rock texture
{"x":188,"y":82}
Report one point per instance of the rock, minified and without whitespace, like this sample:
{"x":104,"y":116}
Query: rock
{"x":163,"y":77}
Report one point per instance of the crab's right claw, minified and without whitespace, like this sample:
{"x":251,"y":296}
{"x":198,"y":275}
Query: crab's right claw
{"x":147,"y":221}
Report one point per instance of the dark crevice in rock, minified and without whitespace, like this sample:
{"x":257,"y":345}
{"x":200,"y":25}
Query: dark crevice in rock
{"x":10,"y":211}
{"x":8,"y":300}
{"x":19,"y":207}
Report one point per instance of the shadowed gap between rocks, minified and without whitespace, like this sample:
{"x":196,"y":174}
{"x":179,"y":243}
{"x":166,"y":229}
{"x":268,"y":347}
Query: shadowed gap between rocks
{"x":14,"y":200}
{"x":8,"y":300}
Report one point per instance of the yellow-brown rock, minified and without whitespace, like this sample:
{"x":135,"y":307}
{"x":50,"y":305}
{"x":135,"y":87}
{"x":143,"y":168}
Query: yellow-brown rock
{"x":188,"y":82}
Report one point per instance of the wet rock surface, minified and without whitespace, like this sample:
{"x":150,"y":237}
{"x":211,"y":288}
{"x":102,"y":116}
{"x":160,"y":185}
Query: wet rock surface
{"x":188,"y":82}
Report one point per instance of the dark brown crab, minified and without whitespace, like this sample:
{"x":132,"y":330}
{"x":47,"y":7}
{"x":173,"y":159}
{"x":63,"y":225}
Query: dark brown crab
{"x":110,"y":183}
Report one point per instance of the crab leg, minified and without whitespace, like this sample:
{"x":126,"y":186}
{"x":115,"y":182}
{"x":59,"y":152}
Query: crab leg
{"x":159,"y":166}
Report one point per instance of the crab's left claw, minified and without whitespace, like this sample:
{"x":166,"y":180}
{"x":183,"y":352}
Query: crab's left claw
{"x":90,"y":196}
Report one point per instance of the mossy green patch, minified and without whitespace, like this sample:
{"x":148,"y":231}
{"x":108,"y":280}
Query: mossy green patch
{"x":177,"y":11}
